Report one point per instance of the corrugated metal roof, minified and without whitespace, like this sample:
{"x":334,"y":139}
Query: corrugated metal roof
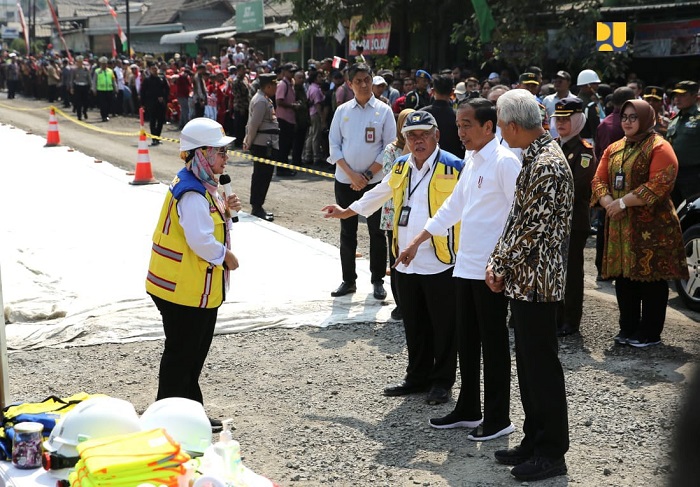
{"x":162,"y":12}
{"x":190,"y":37}
{"x":651,"y":7}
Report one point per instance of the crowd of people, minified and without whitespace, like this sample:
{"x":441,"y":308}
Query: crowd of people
{"x":483,"y":191}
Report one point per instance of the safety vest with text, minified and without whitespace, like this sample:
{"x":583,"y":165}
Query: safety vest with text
{"x":443,"y":180}
{"x":176,"y":273}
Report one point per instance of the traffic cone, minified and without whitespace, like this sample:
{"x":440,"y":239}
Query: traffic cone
{"x":143,"y":174}
{"x":52,"y":137}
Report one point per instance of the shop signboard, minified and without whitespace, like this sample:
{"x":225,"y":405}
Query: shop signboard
{"x":664,"y":39}
{"x":375,"y":41}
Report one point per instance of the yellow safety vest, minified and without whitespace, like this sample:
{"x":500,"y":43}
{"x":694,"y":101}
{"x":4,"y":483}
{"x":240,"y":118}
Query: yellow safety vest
{"x":442,"y":182}
{"x":176,"y":273}
{"x":104,"y":79}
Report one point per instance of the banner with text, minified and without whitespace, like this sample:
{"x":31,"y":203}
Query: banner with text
{"x":662,"y":39}
{"x":375,"y":41}
{"x":249,"y":17}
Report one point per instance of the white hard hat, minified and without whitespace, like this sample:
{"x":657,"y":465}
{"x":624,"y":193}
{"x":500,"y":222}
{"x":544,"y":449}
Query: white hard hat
{"x":97,"y":417}
{"x":586,"y":77}
{"x":203,"y":132}
{"x":183,"y":419}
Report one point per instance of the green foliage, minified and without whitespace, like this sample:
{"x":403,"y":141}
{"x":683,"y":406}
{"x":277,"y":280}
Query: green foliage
{"x":387,"y":62}
{"x":19,"y":46}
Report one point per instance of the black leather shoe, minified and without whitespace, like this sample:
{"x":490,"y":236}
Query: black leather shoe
{"x":438,"y":395}
{"x":513,"y":456}
{"x":344,"y":288}
{"x":566,"y":329}
{"x":260,"y":212}
{"x":396,"y":314}
{"x":216,"y":425}
{"x":284,"y":172}
{"x":539,"y":468}
{"x":379,"y":291}
{"x":403,"y":389}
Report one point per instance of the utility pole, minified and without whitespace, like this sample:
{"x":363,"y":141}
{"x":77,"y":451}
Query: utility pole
{"x":128,"y":31}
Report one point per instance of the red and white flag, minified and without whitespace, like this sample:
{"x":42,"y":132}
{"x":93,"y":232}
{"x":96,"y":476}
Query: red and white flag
{"x":58,"y":29}
{"x":120,"y":32}
{"x":23,"y":23}
{"x":339,"y":62}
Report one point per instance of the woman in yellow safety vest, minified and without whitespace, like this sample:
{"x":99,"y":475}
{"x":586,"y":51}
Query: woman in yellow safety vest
{"x":191,"y":258}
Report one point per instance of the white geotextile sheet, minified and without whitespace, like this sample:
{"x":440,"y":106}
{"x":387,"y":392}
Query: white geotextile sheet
{"x":75,"y":239}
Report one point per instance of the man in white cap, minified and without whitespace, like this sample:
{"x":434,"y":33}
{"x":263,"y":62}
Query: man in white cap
{"x":419,"y":183}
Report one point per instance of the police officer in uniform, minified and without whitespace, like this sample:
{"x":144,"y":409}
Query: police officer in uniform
{"x":262,"y":139}
{"x":684,"y":135}
{"x":419,"y":97}
{"x":654,"y":96}
{"x":570,"y":119}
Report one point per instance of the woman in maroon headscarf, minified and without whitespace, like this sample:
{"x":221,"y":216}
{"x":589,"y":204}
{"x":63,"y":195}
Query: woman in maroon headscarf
{"x":643,"y":240}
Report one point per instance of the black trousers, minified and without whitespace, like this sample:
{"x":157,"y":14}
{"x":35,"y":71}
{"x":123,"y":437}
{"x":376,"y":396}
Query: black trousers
{"x":429,"y":319}
{"x":481,"y":328}
{"x":642,"y":307}
{"x":156,"y":117}
{"x":52,"y":93}
{"x":570,"y":310}
{"x":104,"y":101}
{"x":262,"y":175}
{"x":240,"y":119}
{"x":299,"y":140}
{"x":344,"y":196}
{"x":392,"y":260}
{"x":287,"y":131}
{"x":188,"y":335}
{"x":81,"y":99}
{"x":541,"y":379}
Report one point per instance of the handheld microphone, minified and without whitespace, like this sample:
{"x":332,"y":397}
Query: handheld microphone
{"x":225,"y":181}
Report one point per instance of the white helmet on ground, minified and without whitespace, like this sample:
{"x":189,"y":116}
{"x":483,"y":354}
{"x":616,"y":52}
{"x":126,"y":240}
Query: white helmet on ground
{"x":183,"y":419}
{"x":203,"y":132}
{"x":97,"y":417}
{"x":586,"y":77}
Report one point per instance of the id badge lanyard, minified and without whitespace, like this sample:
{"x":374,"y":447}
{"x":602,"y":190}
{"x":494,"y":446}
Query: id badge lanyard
{"x":406,"y":209}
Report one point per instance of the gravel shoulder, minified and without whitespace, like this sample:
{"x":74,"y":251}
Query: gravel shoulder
{"x":307,"y":403}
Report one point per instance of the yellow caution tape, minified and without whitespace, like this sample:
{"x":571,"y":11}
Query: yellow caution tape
{"x":17,"y":109}
{"x":240,"y":154}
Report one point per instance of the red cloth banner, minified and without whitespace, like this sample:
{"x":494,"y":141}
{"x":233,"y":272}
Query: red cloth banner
{"x":23,"y":23}
{"x":58,"y":29}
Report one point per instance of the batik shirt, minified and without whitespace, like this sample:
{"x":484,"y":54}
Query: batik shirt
{"x":533,"y":249}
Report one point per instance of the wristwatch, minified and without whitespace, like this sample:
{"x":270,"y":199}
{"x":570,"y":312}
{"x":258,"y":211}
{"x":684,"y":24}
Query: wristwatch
{"x":622,"y":203}
{"x":368,"y":174}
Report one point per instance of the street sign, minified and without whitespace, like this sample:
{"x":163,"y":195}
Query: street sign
{"x":9,"y":32}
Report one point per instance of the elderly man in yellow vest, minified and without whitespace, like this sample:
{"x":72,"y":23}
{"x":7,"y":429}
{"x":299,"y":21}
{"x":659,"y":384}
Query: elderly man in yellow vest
{"x":419,"y":183}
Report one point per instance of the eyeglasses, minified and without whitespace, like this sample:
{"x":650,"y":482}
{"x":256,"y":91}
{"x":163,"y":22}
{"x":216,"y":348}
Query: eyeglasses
{"x":632,"y":117}
{"x":222,"y":151}
{"x":414,"y":135}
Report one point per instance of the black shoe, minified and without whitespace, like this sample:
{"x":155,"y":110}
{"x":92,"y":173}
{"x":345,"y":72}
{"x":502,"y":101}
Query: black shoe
{"x":638,"y":341}
{"x":566,"y":329}
{"x":438,"y":395}
{"x":260,"y":212}
{"x":216,"y":425}
{"x":85,"y":115}
{"x":404,"y":389}
{"x":513,"y":456}
{"x":539,"y":468}
{"x":453,"y":420}
{"x":621,"y":338}
{"x":105,"y":119}
{"x":344,"y":288}
{"x":396,"y":314}
{"x":283,"y":172}
{"x":379,"y":291}
{"x":155,"y":143}
{"x":484,"y":433}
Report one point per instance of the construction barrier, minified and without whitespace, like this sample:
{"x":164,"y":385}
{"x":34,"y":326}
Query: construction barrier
{"x":53,"y":138}
{"x":143,"y":174}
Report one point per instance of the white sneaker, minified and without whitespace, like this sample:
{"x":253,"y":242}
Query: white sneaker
{"x":478,"y":434}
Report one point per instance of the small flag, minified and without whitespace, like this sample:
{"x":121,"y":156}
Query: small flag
{"x":611,"y":36}
{"x":339,"y":62}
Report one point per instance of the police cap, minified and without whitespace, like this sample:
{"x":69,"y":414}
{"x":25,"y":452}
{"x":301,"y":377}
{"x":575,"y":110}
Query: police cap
{"x":419,"y":120}
{"x":568,"y":106}
{"x":423,"y":74}
{"x":685,"y":87}
{"x":266,"y":79}
{"x":528,"y":79}
{"x":653,"y":92}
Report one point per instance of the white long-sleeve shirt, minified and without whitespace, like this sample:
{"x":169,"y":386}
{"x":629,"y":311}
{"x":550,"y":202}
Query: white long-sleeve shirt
{"x":348,"y":136}
{"x":425,"y":262}
{"x":195,"y":219}
{"x":481,"y":200}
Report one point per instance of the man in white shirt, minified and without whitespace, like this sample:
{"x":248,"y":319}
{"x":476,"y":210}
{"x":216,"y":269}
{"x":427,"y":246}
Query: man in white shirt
{"x":481,"y":201}
{"x":418,"y":183}
{"x":562,"y":82}
{"x":360,"y":130}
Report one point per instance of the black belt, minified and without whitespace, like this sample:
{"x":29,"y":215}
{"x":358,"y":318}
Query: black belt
{"x":269,"y":131}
